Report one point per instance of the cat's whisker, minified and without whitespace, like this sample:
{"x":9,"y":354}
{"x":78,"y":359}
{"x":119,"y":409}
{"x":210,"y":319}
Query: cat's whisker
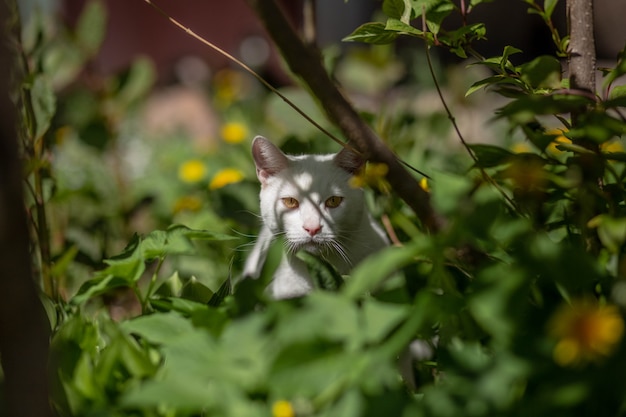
{"x":341,"y":251}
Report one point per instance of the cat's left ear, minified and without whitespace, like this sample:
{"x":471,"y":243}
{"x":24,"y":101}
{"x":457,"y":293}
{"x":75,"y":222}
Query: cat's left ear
{"x":349,"y":161}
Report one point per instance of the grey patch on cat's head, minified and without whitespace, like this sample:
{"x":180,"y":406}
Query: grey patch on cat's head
{"x":269,"y":160}
{"x":348,"y":161}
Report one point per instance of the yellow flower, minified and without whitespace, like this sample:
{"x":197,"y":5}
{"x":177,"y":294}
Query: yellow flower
{"x":191,"y":171}
{"x":528,"y":174}
{"x":612,"y":146}
{"x":189,"y":203}
{"x":373,"y":175}
{"x":520,"y":148}
{"x":283,"y":408}
{"x":234,"y":132}
{"x":229,"y":86}
{"x":424,"y":185}
{"x":585,"y":331}
{"x":224,"y":177}
{"x":559,"y":138}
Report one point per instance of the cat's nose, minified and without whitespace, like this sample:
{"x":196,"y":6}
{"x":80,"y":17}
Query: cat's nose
{"x":312,"y":230}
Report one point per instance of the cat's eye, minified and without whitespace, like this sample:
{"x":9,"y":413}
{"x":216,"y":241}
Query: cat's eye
{"x":290,"y":202}
{"x":333,"y":202}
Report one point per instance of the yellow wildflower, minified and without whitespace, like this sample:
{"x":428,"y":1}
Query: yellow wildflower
{"x":188,"y":203}
{"x":373,"y":175}
{"x":528,"y":174}
{"x":228,"y":85}
{"x":283,"y":408}
{"x":424,"y":185}
{"x":234,"y":132}
{"x":224,"y":177}
{"x":191,"y":171}
{"x":585,"y":331}
{"x":559,"y":138}
{"x":612,"y":146}
{"x":520,"y":148}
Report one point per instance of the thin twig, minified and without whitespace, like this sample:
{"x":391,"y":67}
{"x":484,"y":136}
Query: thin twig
{"x":484,"y":174}
{"x":254,"y":74}
{"x":386,"y":221}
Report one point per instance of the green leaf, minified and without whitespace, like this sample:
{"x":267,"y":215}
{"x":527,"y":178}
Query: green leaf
{"x":495,"y":80}
{"x":490,"y":156}
{"x":322,"y":273}
{"x":379,"y":319}
{"x":396,"y":25}
{"x":374,"y":33}
{"x":176,"y":240}
{"x":398,"y":9}
{"x":224,"y":290}
{"x":44,"y":105}
{"x":179,"y":305}
{"x":159,"y":328}
{"x":351,"y":404}
{"x":526,"y":108}
{"x":492,"y":306}
{"x":618,"y":92}
{"x":98,"y":286}
{"x":374,"y":270}
{"x":506,"y":53}
{"x":121,"y":360}
{"x":542,"y":72}
{"x":611,"y":231}
{"x":436,"y":15}
{"x":599,"y":126}
{"x":618,"y":71}
{"x":324,"y":315}
{"x":196,"y":291}
{"x":549,"y":6}
{"x":91,"y":27}
{"x":137,"y":84}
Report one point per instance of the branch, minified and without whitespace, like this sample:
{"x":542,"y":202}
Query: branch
{"x":304,"y":60}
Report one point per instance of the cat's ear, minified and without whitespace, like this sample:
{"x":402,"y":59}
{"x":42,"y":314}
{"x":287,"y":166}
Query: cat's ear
{"x":269,"y":160}
{"x":349,"y":161}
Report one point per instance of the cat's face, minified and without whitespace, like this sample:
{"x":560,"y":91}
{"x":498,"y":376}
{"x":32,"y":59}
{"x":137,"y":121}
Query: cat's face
{"x":308,"y":198}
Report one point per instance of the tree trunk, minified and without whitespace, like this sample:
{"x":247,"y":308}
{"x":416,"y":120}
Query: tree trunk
{"x":24,"y":332}
{"x":582,"y":47}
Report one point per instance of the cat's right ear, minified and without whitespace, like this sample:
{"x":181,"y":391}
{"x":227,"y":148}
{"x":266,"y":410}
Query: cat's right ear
{"x":269,"y":160}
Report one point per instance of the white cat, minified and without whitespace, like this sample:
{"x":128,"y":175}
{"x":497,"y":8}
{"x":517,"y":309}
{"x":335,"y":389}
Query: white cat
{"x":308,"y":200}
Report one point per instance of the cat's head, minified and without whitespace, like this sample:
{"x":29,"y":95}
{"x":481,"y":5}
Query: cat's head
{"x":308,"y":198}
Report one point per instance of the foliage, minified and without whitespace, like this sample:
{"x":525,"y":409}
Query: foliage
{"x":521,"y":296}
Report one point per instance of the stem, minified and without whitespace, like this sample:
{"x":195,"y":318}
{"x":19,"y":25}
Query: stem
{"x":452,"y":119}
{"x":43,"y":238}
{"x":556,"y":38}
{"x":155,"y":275}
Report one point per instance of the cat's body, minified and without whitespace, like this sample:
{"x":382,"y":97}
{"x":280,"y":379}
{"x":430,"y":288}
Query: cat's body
{"x":308,"y":200}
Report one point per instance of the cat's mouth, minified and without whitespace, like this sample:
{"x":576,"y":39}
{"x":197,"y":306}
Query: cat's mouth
{"x":312,"y":245}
